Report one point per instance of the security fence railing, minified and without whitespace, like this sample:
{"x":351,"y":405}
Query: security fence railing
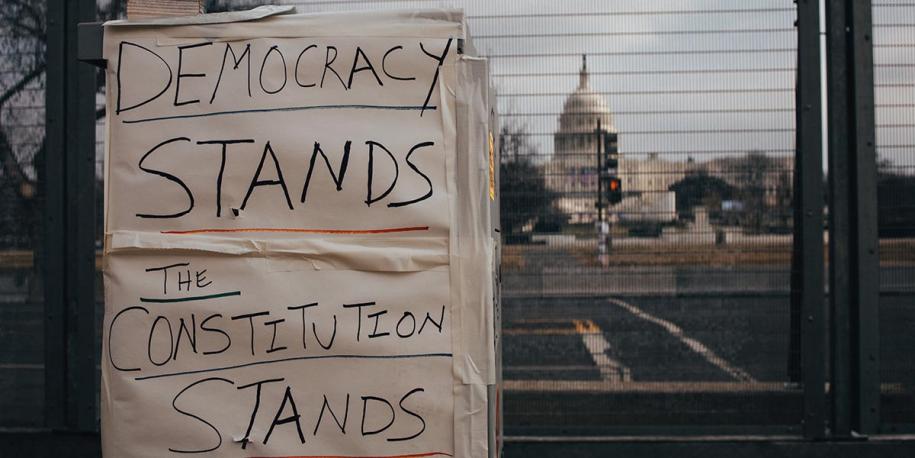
{"x":663,"y":241}
{"x":894,"y":102}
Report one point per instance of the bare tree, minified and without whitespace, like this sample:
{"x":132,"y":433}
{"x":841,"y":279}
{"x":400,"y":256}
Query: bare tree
{"x":23,"y":46}
{"x":22,"y":66}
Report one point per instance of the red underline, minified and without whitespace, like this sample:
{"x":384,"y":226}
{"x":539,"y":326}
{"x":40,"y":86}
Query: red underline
{"x":301,"y":231}
{"x":415,"y":455}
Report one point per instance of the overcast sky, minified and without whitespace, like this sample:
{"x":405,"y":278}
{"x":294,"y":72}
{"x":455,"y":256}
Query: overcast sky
{"x":657,"y":112}
{"x":671,"y":92}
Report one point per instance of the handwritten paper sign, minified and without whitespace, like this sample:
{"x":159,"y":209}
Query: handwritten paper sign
{"x":284,"y":231}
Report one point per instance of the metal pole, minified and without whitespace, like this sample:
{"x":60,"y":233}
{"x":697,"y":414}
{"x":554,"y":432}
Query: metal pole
{"x":865,"y":265}
{"x":71,"y":344}
{"x":809,"y":198}
{"x":839,"y":197}
{"x":854,"y":262}
{"x":603,"y":249}
{"x":600,"y":183}
{"x":81,"y":219}
{"x":54,"y":246}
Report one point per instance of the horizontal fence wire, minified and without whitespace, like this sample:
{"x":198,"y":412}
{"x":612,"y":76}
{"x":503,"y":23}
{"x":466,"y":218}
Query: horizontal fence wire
{"x":894,"y":76}
{"x":701,"y":105}
{"x":670,"y":307}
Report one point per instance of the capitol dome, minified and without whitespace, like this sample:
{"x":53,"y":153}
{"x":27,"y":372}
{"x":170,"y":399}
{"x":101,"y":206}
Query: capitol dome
{"x":584,"y":107}
{"x":572,"y":171}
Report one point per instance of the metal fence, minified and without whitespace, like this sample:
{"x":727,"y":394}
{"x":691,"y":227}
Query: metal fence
{"x":682,"y":302}
{"x":894,"y":87}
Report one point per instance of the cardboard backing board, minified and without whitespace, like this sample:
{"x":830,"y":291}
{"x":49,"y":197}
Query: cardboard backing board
{"x":299,"y":239}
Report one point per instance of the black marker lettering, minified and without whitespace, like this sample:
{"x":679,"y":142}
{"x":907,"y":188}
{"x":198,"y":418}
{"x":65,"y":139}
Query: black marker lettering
{"x":273,"y":346}
{"x":326,"y":405}
{"x":296,"y":70}
{"x":169,"y":177}
{"x":403,"y":320}
{"x":191,"y":335}
{"x":264,"y":64}
{"x":222,"y":166}
{"x":439,"y":61}
{"x":302,"y":308}
{"x":250,"y":318}
{"x":203,"y":327}
{"x":333,"y":336}
{"x":171,"y":340}
{"x":290,"y":419}
{"x":186,"y":75}
{"x":359,"y":320}
{"x":327,"y":62}
{"x":257,"y":403}
{"x":111,"y":330}
{"x":279,"y":181}
{"x":367,"y":66}
{"x":175,"y":406}
{"x":201,"y":277}
{"x":384,"y":66}
{"x":428,"y":194}
{"x":365,"y":400}
{"x":369,"y":200}
{"x":430,"y":320}
{"x":120,"y":110}
{"x":377,"y":317}
{"x":237,"y":61}
{"x":337,"y":177}
{"x":410,"y":412}
{"x":186,"y":282}
{"x":164,"y":270}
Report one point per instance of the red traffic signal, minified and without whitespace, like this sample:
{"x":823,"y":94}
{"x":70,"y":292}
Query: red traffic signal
{"x":614,"y":189}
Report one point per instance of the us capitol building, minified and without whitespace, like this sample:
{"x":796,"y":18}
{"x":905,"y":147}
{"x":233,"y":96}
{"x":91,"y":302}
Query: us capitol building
{"x":571,"y":173}
{"x":646,"y":178}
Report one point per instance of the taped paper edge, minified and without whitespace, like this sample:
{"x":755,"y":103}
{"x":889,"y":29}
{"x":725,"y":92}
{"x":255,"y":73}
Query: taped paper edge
{"x":402,"y":254}
{"x":417,"y":23}
{"x":253,"y":14}
{"x":471,"y":256}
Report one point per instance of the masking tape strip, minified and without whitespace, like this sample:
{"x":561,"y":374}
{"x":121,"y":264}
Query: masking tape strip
{"x":426,"y":23}
{"x":471,"y":253}
{"x":400,"y":254}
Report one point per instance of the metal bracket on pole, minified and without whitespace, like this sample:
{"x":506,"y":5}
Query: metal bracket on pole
{"x":90,"y":39}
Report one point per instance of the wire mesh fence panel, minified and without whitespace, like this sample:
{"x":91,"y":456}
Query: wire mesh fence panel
{"x":654,"y":291}
{"x":22,"y":115}
{"x":894,"y":92}
{"x":647,"y":181}
{"x":670,"y":305}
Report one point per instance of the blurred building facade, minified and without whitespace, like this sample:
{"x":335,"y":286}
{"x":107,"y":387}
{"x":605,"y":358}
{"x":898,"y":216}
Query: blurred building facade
{"x":646,"y":178}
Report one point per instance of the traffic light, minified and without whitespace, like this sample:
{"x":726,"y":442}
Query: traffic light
{"x":611,"y":151}
{"x":614,"y":189}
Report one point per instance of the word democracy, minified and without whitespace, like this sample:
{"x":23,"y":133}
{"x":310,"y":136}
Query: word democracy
{"x":273,"y":72}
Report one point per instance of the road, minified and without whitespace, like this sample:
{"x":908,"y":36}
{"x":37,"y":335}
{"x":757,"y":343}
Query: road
{"x":671,"y":360}
{"x":620,"y":351}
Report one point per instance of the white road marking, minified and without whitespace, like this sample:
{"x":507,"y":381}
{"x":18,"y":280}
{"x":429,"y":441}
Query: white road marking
{"x":610,"y":369}
{"x":593,"y":339}
{"x":693,"y":344}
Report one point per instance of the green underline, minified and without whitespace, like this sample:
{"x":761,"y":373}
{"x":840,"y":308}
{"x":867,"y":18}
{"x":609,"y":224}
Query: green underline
{"x":188,"y":299}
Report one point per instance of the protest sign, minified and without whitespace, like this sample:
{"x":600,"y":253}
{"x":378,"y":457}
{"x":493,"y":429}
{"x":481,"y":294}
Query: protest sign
{"x":299,"y":245}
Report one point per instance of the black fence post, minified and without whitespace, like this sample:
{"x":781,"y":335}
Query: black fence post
{"x":808,"y":240}
{"x":54,"y":230}
{"x":81,"y":221}
{"x":865,"y":257}
{"x":839,"y":195}
{"x":69,"y":259}
{"x":854,"y":268}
